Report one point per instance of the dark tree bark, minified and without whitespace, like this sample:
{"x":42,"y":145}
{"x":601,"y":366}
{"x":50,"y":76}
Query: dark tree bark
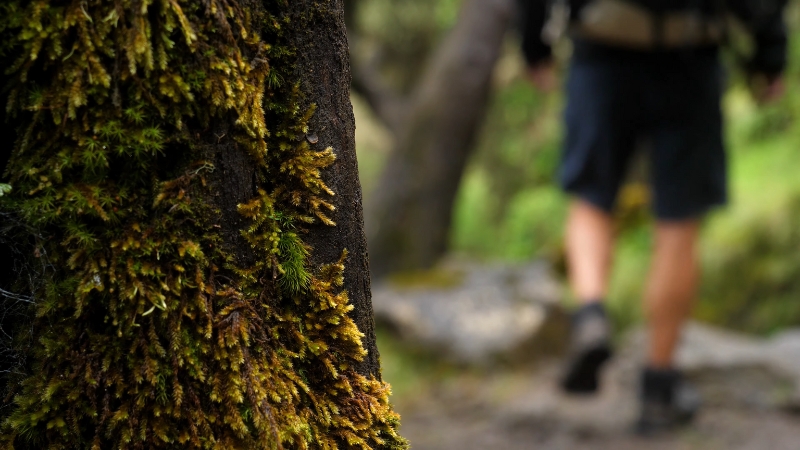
{"x":409,"y":214}
{"x":209,"y":303}
{"x":323,"y":69}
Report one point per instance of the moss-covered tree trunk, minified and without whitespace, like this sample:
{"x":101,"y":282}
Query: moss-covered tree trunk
{"x":186,"y":210}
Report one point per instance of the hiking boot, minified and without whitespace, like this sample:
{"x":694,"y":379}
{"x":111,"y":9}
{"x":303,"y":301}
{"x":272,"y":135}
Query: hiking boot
{"x":590,"y":348}
{"x":667,"y":402}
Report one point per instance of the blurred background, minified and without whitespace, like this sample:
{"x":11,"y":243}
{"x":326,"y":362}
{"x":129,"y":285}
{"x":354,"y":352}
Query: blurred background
{"x":457,"y":155}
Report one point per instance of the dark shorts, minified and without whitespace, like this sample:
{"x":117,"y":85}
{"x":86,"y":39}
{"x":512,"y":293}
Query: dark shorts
{"x":671,"y":101}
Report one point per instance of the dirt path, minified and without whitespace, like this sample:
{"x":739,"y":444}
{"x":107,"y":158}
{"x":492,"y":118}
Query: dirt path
{"x":715,"y":429}
{"x":524,"y":410}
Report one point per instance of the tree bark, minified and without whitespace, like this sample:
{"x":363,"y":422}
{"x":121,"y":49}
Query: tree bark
{"x":323,"y":69}
{"x":409,"y":214}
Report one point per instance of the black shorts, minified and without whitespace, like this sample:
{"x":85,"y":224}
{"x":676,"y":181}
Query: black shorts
{"x":669,"y":99}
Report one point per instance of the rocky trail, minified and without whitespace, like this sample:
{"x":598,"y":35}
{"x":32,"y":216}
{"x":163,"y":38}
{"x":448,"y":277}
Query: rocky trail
{"x":502,"y":400}
{"x":524,"y":410}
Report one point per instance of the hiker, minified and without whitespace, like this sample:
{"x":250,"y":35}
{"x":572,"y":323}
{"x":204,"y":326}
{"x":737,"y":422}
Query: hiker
{"x":644,"y":71}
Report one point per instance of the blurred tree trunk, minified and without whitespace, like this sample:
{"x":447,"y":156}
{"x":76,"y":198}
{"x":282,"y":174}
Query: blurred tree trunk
{"x":409,"y":214}
{"x":248,"y":328}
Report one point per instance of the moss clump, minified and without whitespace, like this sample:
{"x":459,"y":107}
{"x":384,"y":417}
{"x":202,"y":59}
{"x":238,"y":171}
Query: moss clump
{"x":151,"y":334}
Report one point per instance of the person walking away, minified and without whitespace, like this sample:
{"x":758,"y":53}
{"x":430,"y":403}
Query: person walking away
{"x":644,"y":69}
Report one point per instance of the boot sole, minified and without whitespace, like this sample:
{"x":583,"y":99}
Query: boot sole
{"x":582,"y":373}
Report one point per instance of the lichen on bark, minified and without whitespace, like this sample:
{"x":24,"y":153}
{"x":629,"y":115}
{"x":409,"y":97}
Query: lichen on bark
{"x":154,"y":332}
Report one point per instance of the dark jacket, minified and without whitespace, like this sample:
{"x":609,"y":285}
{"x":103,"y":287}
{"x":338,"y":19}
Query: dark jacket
{"x":764,"y":19}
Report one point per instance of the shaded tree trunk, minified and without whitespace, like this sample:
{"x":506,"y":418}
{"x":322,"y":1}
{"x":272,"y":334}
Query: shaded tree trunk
{"x":323,"y":69}
{"x":409,"y":214}
{"x":211,"y":285}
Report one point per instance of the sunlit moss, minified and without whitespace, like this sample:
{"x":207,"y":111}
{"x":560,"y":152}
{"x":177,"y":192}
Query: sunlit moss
{"x":150,"y":334}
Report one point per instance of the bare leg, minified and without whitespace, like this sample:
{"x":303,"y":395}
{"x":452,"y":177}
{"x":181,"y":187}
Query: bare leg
{"x":671,"y":287}
{"x":589,"y":244}
{"x":589,"y":241}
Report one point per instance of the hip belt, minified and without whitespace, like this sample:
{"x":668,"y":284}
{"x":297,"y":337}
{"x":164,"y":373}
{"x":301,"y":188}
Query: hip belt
{"x":624,"y":24}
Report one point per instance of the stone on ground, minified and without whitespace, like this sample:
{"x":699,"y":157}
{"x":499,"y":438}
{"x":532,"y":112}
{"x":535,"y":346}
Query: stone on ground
{"x":475,"y":314}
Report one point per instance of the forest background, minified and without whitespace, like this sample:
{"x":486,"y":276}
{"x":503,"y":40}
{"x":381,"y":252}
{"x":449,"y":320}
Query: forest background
{"x":509,"y":208}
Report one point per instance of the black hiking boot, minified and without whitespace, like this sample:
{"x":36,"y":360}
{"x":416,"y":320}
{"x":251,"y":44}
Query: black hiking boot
{"x":590,"y":348}
{"x":667,"y":402}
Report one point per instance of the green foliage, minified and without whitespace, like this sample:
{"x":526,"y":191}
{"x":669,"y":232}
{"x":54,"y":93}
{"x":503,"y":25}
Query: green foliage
{"x":405,"y":31}
{"x":150,"y":335}
{"x":755,"y":284}
{"x":508,"y":191}
{"x":398,"y":22}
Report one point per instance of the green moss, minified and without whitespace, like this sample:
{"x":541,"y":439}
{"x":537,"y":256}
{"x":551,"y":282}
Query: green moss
{"x":150,"y":335}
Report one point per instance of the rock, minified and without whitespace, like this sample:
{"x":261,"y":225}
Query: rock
{"x":784,"y":351}
{"x":476,"y":314}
